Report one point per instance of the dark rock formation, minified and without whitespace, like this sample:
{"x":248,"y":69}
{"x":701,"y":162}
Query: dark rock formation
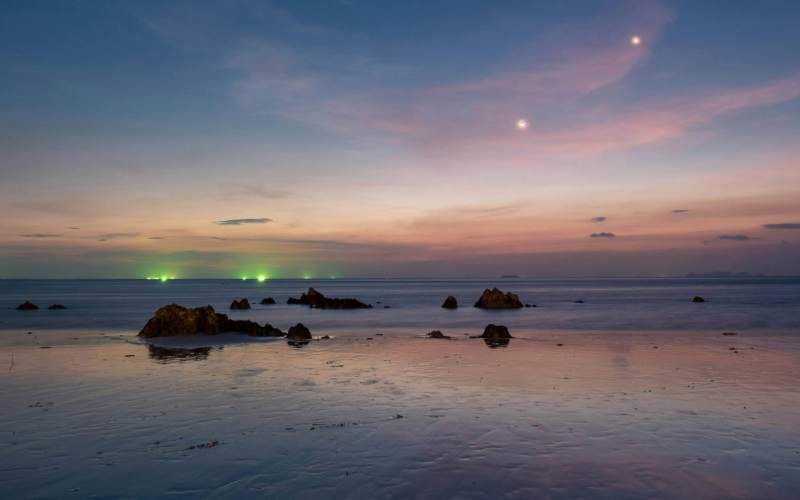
{"x":698,"y":299}
{"x":253,"y":329}
{"x":450,"y":302}
{"x":56,"y":306}
{"x":436,"y":334}
{"x":579,"y":302}
{"x":173,"y":320}
{"x":27,"y":306}
{"x":496,"y":332}
{"x":268,"y":300}
{"x":495,"y":299}
{"x":240,"y":304}
{"x":299,"y":332}
{"x":730,"y":334}
{"x":315,"y":299}
{"x":298,"y":343}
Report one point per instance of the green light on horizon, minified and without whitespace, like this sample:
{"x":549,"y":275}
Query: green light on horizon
{"x":244,"y":279}
{"x":163,"y":278}
{"x":262,"y":278}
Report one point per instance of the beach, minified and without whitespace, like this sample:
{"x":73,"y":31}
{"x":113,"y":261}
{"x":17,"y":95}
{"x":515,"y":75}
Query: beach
{"x":384,"y":412}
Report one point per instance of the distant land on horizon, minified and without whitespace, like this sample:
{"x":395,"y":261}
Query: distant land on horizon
{"x":724,"y":274}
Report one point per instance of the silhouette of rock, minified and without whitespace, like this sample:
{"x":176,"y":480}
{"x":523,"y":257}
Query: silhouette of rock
{"x":579,"y":302}
{"x":27,"y":306}
{"x":299,"y":332}
{"x":174,"y":320}
{"x":450,"y":302}
{"x":253,"y":329}
{"x":436,"y":334}
{"x":495,"y":299}
{"x":496,"y":332}
{"x":316,"y":300}
{"x":698,"y":299}
{"x":240,"y":304}
{"x":56,"y":306}
{"x":268,"y":300}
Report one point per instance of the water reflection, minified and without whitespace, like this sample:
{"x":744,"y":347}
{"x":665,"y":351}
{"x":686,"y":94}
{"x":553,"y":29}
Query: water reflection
{"x":495,"y":343}
{"x":297,"y":343}
{"x":173,"y":354}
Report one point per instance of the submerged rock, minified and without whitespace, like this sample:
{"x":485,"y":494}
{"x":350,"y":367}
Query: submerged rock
{"x":299,"y":332}
{"x":268,"y":300}
{"x":495,"y":299}
{"x":436,"y":334}
{"x":174,"y":320}
{"x":496,"y":332}
{"x":56,"y":306}
{"x":316,"y":300}
{"x":27,"y":306}
{"x":698,"y":299}
{"x":450,"y":302}
{"x":240,"y":304}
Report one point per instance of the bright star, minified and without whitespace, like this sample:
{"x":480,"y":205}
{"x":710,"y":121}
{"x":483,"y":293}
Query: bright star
{"x":522,"y":124}
{"x":636,"y":40}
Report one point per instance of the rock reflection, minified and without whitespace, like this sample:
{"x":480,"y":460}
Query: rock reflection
{"x":495,"y":343}
{"x":177,"y":354}
{"x":297,"y":343}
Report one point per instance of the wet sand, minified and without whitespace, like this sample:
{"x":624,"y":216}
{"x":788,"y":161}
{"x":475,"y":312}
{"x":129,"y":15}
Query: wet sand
{"x":667,"y":415}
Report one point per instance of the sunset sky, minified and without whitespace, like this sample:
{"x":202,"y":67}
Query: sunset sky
{"x":359,"y":138}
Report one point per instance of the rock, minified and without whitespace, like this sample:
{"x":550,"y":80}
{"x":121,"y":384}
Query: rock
{"x":436,"y":334}
{"x":240,"y":304}
{"x":316,"y":300}
{"x":299,"y":332}
{"x":27,"y":306}
{"x":325,"y":337}
{"x":495,"y":299}
{"x":579,"y":302}
{"x":56,"y":306}
{"x":450,"y":302}
{"x":698,"y":299}
{"x":268,"y":300}
{"x":174,"y":320}
{"x":730,"y":334}
{"x":253,"y":329}
{"x":496,"y":332}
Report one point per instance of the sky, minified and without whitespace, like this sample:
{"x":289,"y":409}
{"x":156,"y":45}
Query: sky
{"x":398,"y":139}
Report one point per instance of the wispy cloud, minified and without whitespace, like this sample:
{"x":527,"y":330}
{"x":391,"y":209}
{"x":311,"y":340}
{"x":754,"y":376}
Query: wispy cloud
{"x":678,"y":211}
{"x":73,"y":228}
{"x":597,"y":219}
{"x":603,"y":235}
{"x":113,"y":236}
{"x":155,"y":238}
{"x":40,"y":235}
{"x":735,"y":237}
{"x":239,"y":222}
{"x":784,"y":225}
{"x":218,"y":238}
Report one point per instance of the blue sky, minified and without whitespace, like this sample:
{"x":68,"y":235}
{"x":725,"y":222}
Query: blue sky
{"x":380,"y":138}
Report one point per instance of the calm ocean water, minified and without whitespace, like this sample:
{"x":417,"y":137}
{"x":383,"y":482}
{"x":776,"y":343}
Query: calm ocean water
{"x":641,"y":304}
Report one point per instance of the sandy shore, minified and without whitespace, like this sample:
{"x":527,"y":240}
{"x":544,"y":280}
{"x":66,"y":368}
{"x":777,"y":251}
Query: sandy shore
{"x":601,"y":416}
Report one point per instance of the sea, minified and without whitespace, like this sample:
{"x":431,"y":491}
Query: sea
{"x":414,"y":306}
